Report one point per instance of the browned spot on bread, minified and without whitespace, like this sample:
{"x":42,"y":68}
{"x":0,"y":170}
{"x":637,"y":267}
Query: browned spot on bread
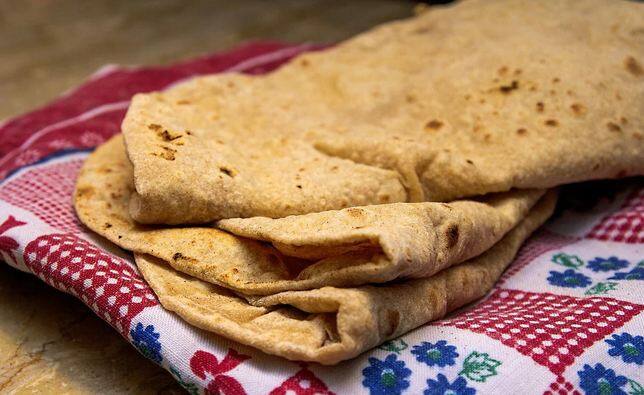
{"x":115,"y":195}
{"x":230,"y":84}
{"x":522,"y":131}
{"x":487,"y":137}
{"x":503,"y":70}
{"x":551,"y":122}
{"x":613,"y":127}
{"x":393,"y":320}
{"x":167,"y":136}
{"x":637,"y":136}
{"x":633,"y":66}
{"x":518,"y":72}
{"x":452,"y":234}
{"x":167,"y":153}
{"x":304,"y":63}
{"x":555,"y":80}
{"x":578,"y":108}
{"x":179,"y":256}
{"x":622,"y":174}
{"x":623,"y":120}
{"x":85,"y":192}
{"x":509,"y":88}
{"x":596,"y":167}
{"x":189,"y":133}
{"x":409,"y":98}
{"x":227,"y":171}
{"x":183,"y":102}
{"x":469,"y":161}
{"x":540,"y":106}
{"x":355,"y":212}
{"x":107,"y":225}
{"x":154,"y":126}
{"x":299,"y":186}
{"x":434,"y":124}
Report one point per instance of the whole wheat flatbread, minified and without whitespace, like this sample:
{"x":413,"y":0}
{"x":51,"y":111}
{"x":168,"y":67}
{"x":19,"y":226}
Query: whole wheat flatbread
{"x":479,"y":97}
{"x":328,"y":325}
{"x":356,"y":246}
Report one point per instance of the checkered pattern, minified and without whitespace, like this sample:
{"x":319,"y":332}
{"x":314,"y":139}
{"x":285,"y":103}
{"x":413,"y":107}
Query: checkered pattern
{"x":110,"y":285}
{"x":56,"y":182}
{"x":552,"y":329}
{"x":626,"y":225}
{"x":561,"y":387}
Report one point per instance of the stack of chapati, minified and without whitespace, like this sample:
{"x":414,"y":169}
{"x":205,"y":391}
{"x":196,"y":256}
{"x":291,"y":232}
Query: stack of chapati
{"x":359,"y":192}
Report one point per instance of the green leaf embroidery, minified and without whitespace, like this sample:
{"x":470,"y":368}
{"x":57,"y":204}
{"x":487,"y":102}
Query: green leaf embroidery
{"x":190,"y":387}
{"x":571,"y":261}
{"x":396,"y":345}
{"x":601,"y":288}
{"x":479,"y":366}
{"x":635,"y":388}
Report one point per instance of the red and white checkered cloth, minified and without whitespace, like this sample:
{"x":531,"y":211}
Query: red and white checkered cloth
{"x":565,"y":318}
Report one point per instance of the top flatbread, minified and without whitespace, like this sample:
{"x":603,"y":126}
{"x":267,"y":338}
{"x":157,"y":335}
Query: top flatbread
{"x":464,"y":100}
{"x":354,"y":246}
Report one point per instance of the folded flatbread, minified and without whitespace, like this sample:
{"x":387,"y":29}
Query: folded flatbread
{"x":328,"y":325}
{"x":479,"y":97}
{"x":350,"y":247}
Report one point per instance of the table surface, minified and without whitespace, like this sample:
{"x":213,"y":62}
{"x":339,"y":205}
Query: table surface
{"x":50,"y":342}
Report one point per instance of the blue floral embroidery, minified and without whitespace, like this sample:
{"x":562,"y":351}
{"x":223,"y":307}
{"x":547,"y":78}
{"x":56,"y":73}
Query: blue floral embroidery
{"x":607,"y":264}
{"x":442,"y":386}
{"x":636,"y":274}
{"x":629,"y":347}
{"x":440,"y":354}
{"x":599,"y":380}
{"x":386,"y":377}
{"x":569,"y":278}
{"x":147,"y":342}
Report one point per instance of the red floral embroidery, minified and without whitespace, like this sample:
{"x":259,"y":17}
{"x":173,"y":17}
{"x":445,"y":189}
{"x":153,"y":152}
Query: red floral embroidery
{"x":203,"y":362}
{"x":303,"y":382}
{"x":7,"y":244}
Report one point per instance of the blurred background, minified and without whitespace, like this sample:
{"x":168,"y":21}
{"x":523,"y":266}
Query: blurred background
{"x":49,"y":342}
{"x":48,"y":46}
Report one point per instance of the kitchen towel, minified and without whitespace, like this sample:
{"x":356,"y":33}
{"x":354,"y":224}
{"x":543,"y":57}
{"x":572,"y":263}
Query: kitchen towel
{"x":565,"y":318}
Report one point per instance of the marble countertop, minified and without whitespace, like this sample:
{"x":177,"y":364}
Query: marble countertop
{"x":50,"y":342}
